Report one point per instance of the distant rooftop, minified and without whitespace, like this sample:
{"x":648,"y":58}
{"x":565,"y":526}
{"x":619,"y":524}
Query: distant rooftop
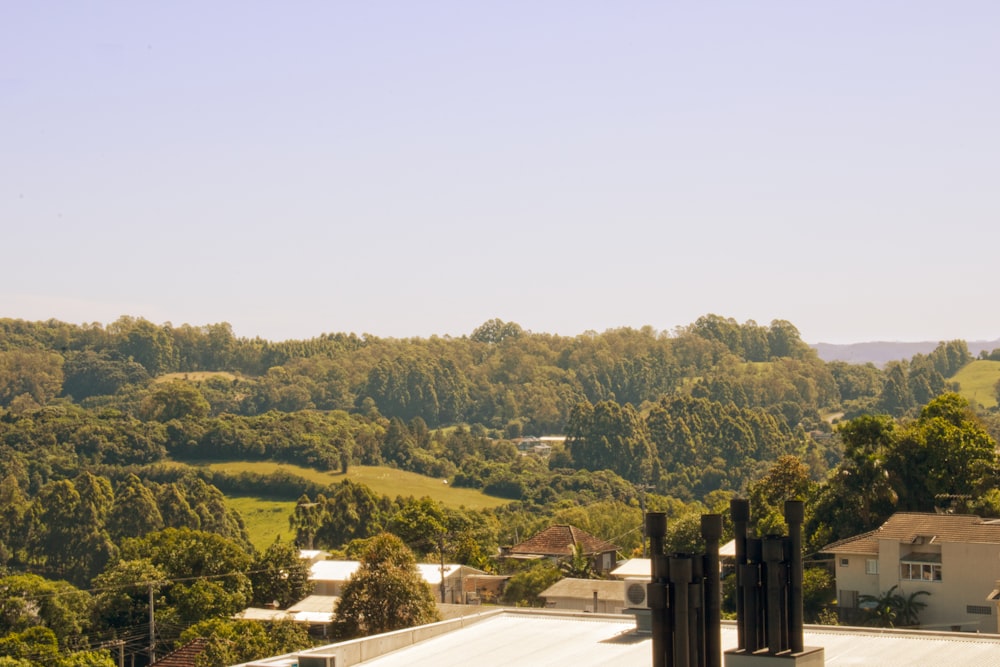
{"x":910,"y":527}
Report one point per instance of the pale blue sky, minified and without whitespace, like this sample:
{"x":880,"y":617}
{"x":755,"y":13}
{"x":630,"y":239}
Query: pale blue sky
{"x":416,"y":168}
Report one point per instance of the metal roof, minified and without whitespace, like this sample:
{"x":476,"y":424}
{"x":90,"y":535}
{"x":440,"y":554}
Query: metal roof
{"x":537,"y":638}
{"x":342,"y":570}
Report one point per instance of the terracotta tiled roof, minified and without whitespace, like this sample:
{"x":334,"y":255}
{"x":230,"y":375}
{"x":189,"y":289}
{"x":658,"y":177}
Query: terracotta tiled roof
{"x":185,"y":656}
{"x":561,"y":540}
{"x":908,"y":527}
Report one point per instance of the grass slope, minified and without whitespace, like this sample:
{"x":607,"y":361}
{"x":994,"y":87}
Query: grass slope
{"x":977,"y":381}
{"x":265,"y":519}
{"x":380,"y":479}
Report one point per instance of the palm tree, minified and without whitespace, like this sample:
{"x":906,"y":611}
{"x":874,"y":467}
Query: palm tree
{"x":886,"y":609}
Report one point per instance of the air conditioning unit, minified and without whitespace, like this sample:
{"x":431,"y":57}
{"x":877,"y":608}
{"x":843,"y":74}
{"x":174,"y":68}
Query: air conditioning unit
{"x":635,"y":594}
{"x":317,"y":660}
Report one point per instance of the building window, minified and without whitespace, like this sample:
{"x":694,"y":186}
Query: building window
{"x":871,"y":566}
{"x":920,"y":571}
{"x":844,"y":562}
{"x":982,"y":610}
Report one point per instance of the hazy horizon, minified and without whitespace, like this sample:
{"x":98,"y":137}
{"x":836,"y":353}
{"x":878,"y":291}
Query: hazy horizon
{"x":416,"y":169}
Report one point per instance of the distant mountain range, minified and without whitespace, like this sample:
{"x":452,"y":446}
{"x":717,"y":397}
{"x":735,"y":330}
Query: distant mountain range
{"x":880,"y":352}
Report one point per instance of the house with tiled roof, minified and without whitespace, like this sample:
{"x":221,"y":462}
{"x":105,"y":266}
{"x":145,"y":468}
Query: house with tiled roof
{"x":953,"y":557}
{"x":185,"y":656}
{"x":560,"y":542}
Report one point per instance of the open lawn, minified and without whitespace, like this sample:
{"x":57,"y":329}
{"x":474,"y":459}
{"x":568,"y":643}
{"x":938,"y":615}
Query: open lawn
{"x":266,"y":519}
{"x":977,"y":381}
{"x":387,"y":481}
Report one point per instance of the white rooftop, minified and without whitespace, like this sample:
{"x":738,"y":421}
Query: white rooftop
{"x":341,"y":570}
{"x":535,"y":637}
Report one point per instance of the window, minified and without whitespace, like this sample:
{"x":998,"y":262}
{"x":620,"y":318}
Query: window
{"x":871,"y":566}
{"x":982,"y":610}
{"x":920,"y":571}
{"x":844,"y":562}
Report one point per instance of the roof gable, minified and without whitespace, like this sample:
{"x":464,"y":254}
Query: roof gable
{"x":561,"y":540}
{"x":925,"y":528}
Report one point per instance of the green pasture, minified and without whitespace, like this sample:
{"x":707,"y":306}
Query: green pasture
{"x":265,"y":519}
{"x":383,"y":480}
{"x":977,"y":382}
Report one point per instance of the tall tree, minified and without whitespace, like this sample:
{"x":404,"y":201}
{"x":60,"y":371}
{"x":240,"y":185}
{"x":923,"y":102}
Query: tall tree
{"x":386,"y":592}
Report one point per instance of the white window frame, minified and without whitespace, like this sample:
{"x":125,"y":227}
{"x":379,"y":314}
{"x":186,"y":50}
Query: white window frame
{"x":871,"y":566}
{"x":920,"y":571}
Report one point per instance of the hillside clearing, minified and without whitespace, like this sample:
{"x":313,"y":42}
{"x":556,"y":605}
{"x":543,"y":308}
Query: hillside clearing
{"x":387,"y":481}
{"x":977,"y":382}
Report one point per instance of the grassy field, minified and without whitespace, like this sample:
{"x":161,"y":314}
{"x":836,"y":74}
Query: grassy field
{"x":265,"y":519}
{"x":388,"y":481}
{"x":977,"y":381}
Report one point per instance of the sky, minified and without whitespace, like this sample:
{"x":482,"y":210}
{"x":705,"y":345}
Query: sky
{"x":408,"y":169}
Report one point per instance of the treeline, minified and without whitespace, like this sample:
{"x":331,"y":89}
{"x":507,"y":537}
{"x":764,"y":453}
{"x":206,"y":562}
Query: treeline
{"x":499,"y":376}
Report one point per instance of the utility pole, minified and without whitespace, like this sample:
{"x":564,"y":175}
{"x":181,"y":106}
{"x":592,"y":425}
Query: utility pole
{"x":152,"y":628}
{"x":441,"y":551}
{"x":121,"y":650}
{"x":642,"y":488}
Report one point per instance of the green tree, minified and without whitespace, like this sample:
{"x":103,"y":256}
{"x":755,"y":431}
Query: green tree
{"x":232,"y":642}
{"x":945,"y":452}
{"x":176,"y":399}
{"x":891,"y":609}
{"x":208,"y":572}
{"x":523,"y":589}
{"x":28,"y":601}
{"x":121,"y":594}
{"x":34,"y":376}
{"x":134,"y":511}
{"x":386,"y":592}
{"x":279,"y":575}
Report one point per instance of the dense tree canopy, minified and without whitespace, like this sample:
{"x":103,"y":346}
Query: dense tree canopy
{"x":386,"y":593}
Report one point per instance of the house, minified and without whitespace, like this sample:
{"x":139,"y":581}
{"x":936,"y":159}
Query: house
{"x":601,"y":596}
{"x":507,"y":636}
{"x":641,"y":568}
{"x":184,"y":656}
{"x":315,"y":612}
{"x":450,"y":583}
{"x":953,"y":557}
{"x":560,"y":543}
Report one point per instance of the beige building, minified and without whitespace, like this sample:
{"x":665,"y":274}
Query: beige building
{"x":450,"y":583}
{"x":954,"y":557}
{"x":601,"y":596}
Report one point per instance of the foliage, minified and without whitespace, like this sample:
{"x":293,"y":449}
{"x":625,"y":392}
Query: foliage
{"x":523,"y":589}
{"x":232,"y":642}
{"x":385,"y":593}
{"x":892,"y":609}
{"x":279,"y":575}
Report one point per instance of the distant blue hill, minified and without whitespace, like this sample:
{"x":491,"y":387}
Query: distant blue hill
{"x":881,"y":352}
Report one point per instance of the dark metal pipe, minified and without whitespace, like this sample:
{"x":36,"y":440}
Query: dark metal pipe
{"x":752,"y":596}
{"x":656,"y":591}
{"x":739,"y":508}
{"x":773,"y":553}
{"x":711,"y":531}
{"x":794,"y":516}
{"x":680,"y":578}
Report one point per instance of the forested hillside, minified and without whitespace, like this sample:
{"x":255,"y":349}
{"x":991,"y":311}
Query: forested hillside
{"x":102,"y":428}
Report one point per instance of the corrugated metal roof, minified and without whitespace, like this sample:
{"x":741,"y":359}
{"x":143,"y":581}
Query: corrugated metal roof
{"x":535,"y":638}
{"x":341,"y":570}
